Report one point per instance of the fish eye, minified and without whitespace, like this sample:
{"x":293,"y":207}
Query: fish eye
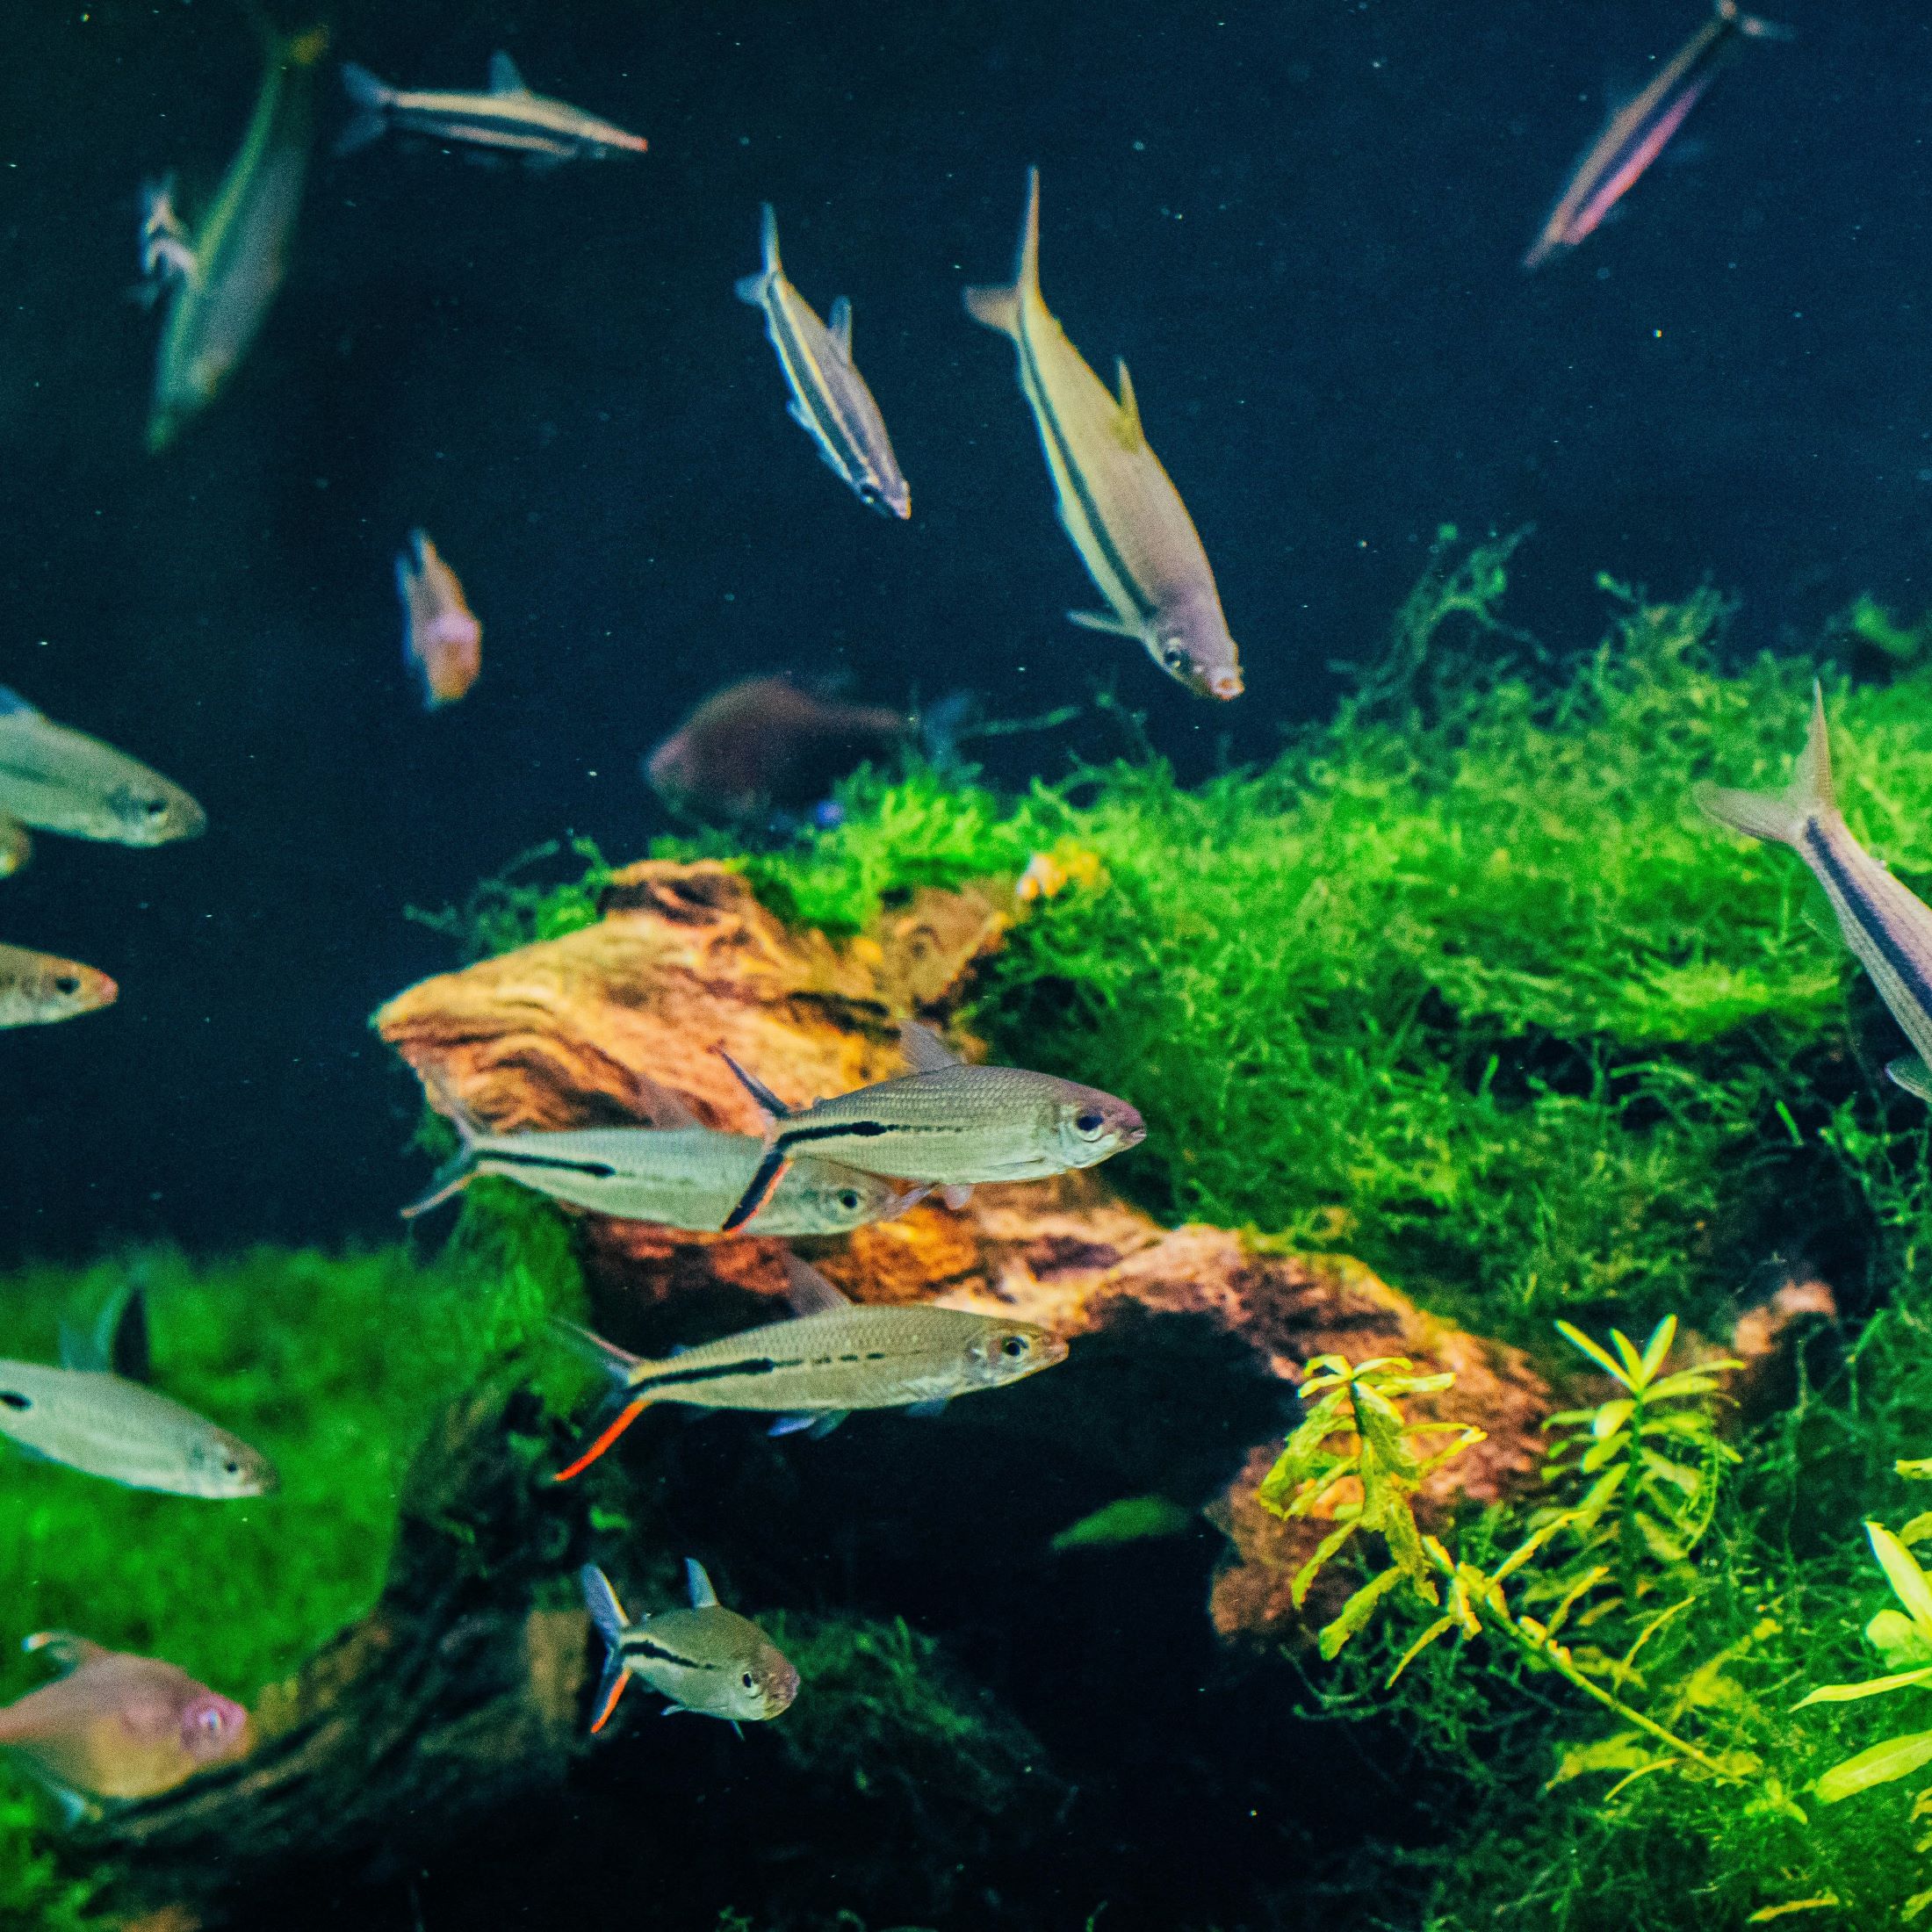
{"x":14,"y":1399}
{"x":1089,"y":1122}
{"x":1173,"y":657}
{"x":1014,"y":1346}
{"x":67,"y":984}
{"x":748,"y":1680}
{"x":231,"y":1467}
{"x":156,"y":808}
{"x":849,"y":1199}
{"x":868,"y":492}
{"x":210,"y":1721}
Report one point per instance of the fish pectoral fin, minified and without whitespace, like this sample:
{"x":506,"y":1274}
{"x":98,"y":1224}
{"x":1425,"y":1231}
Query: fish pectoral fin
{"x":1103,"y":620}
{"x":933,"y":1406}
{"x":808,"y":1291}
{"x":838,"y":326}
{"x":1911,"y":1073}
{"x":1127,"y":421}
{"x":827,"y":1421}
{"x":791,"y":1425}
{"x":955,"y":1198}
{"x":504,"y":77}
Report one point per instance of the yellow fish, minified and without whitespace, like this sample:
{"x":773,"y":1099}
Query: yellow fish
{"x":36,"y":989}
{"x":1116,"y":502}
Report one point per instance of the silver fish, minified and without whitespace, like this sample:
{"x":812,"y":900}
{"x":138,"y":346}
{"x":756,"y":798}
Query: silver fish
{"x":57,"y":779}
{"x":1116,"y":502}
{"x":831,"y":1358}
{"x":829,"y":398}
{"x":677,"y":1174}
{"x":225,"y":273}
{"x":510,"y":117}
{"x":947,"y":1124}
{"x":706,"y":1659}
{"x":115,"y":1726}
{"x":1888,"y":927}
{"x":85,"y":1416}
{"x":36,"y":989}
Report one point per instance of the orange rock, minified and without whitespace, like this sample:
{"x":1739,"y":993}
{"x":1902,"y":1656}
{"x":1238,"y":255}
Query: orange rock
{"x":685,"y":961}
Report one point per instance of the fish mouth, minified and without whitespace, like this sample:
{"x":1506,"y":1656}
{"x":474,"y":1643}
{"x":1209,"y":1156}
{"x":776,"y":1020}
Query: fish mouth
{"x":1223,"y":684}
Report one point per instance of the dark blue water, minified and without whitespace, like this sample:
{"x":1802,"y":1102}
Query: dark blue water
{"x":1299,"y":223}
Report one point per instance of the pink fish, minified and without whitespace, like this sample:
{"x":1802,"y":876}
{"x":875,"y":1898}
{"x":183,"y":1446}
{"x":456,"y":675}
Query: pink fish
{"x":441,"y":636}
{"x":1639,"y":132}
{"x":113,"y":1725}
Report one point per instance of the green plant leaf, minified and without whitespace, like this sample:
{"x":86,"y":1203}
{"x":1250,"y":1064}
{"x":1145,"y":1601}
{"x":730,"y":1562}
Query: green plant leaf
{"x":1909,"y":1583}
{"x":1356,"y":1612}
{"x":1658,"y":1347}
{"x":1872,"y":1687}
{"x":1577,"y":1340}
{"x":1882,"y":1764}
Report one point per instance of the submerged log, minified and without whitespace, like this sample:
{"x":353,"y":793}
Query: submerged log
{"x":685,"y":961}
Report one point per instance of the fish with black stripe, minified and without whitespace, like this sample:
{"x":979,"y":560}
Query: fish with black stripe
{"x":707,"y":1660}
{"x":1116,"y":502}
{"x":829,"y":401}
{"x":1885,"y":923}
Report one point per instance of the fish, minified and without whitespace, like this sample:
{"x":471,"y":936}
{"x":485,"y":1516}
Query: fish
{"x":678,"y":1173}
{"x":36,"y":988}
{"x":829,"y":398}
{"x":707,"y":1659}
{"x":225,"y":274}
{"x":57,"y":779}
{"x":509,"y":117}
{"x":831,"y":1358}
{"x":946,"y":1124}
{"x":1115,"y":502}
{"x":113,"y":1726}
{"x":1888,"y":927}
{"x":16,"y":847}
{"x":763,"y":743}
{"x":86,"y":1417}
{"x":1640,"y":130}
{"x":441,"y":637}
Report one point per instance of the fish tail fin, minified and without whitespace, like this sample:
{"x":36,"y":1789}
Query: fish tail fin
{"x":607,"y":1615}
{"x":751,"y":288}
{"x":758,"y":1190}
{"x":604,"y":1440}
{"x":370,"y":97}
{"x":999,"y":308}
{"x":619,"y":1363}
{"x":1782,"y":819}
{"x":457,"y":1172}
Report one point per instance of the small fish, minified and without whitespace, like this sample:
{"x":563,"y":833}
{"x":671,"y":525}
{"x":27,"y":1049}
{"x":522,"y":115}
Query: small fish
{"x":678,"y":1174}
{"x":829,"y":399}
{"x":832,"y":1357}
{"x":1124,"y":516}
{"x":543,"y":131}
{"x":1639,"y":131}
{"x":225,"y":274}
{"x":763,"y":743}
{"x":36,"y":989}
{"x":1133,"y":1519}
{"x":947,"y":1124}
{"x":707,"y":1659}
{"x":1888,"y":927}
{"x":59,"y":780}
{"x":85,"y":1416}
{"x":115,"y":1726}
{"x":15,"y":848}
{"x":441,"y":637}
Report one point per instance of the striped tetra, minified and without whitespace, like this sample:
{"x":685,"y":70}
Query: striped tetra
{"x":706,"y":1659}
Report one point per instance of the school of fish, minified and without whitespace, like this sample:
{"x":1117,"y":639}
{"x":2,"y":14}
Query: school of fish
{"x":113,"y":1728}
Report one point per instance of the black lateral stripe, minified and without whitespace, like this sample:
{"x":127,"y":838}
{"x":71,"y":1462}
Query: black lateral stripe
{"x":1818,"y":850}
{"x":647,"y":1646}
{"x":597,"y":1170}
{"x":1051,"y":423}
{"x":756,"y":1365}
{"x":797,"y":360}
{"x":863,"y":1131}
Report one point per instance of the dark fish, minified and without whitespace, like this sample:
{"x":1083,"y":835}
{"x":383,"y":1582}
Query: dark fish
{"x":1639,"y":132}
{"x":1884,"y":922}
{"x":509,"y":117}
{"x":947,"y":1124}
{"x":764,"y":742}
{"x":117,"y":1727}
{"x":707,"y":1659}
{"x":832,"y":1358}
{"x":829,"y":398}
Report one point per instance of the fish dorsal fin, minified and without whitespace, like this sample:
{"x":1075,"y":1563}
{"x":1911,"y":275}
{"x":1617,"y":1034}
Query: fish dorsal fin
{"x":116,"y":1342}
{"x":656,"y":1103}
{"x":504,"y":77}
{"x":925,"y":1051}
{"x":64,"y":1650}
{"x":808,"y":1291}
{"x":13,"y":705}
{"x":703,"y":1596}
{"x":1126,"y":423}
{"x":838,"y":326}
{"x":1811,"y":782}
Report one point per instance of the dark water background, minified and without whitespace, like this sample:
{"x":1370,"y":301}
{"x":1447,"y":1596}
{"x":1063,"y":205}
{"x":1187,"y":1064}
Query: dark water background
{"x":1298,"y":221}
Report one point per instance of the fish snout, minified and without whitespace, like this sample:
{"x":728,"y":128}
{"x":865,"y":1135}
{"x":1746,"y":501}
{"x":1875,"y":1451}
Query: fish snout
{"x":1226,"y":683}
{"x":214,"y":1728}
{"x":780,"y":1685}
